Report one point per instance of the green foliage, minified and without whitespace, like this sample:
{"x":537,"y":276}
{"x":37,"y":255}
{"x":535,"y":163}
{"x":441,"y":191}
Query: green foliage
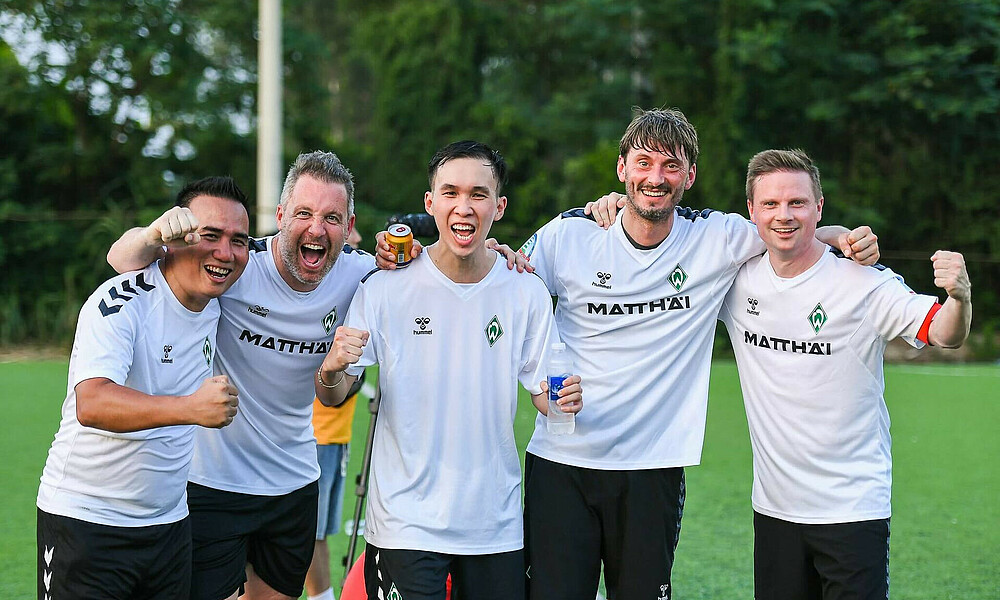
{"x":897,"y":102}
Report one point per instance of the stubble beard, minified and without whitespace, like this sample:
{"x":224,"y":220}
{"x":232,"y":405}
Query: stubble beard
{"x":654,"y":215}
{"x":289,"y":251}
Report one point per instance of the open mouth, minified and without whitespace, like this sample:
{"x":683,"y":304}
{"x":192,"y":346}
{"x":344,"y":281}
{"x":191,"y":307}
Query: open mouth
{"x":312,"y":254}
{"x":784,"y":230}
{"x":463,"y":232}
{"x":218,"y":274}
{"x":654,"y":192}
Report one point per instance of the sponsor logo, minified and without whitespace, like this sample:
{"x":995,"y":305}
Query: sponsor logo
{"x":283,"y":345}
{"x":677,"y":277}
{"x":603,"y":278}
{"x":493,"y":330}
{"x":422,"y":323}
{"x":206,"y":351}
{"x":259,"y":310}
{"x":639,"y":308}
{"x":329,"y":320}
{"x":784,"y":345}
{"x":752,"y":308}
{"x":529,"y":246}
{"x":664,"y":592}
{"x":167,"y":349}
{"x":818,"y":318}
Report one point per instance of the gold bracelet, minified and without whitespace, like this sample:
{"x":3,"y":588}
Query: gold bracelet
{"x":319,"y":377}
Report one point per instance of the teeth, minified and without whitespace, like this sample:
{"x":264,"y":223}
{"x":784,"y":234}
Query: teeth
{"x":462,"y":227}
{"x":313,"y":246}
{"x":218,"y":270}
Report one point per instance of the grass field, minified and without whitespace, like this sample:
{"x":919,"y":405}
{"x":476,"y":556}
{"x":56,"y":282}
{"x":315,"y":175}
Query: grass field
{"x":945,"y":527}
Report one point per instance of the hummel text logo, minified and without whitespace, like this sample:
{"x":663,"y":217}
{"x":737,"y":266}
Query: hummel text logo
{"x":166,"y":355}
{"x":603,"y":278}
{"x":752,"y":310}
{"x":422,"y":322}
{"x":258,"y":310}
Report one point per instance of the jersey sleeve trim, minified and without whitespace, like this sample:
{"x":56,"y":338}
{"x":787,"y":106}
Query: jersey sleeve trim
{"x":369,"y":274}
{"x":925,"y":328}
{"x":577,"y":213}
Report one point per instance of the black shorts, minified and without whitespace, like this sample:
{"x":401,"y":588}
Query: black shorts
{"x":275,"y":534}
{"x":820,"y":562}
{"x":82,"y":560}
{"x":577,"y":518}
{"x":421,"y":575}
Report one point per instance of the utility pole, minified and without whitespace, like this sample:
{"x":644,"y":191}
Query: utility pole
{"x":269,"y":162}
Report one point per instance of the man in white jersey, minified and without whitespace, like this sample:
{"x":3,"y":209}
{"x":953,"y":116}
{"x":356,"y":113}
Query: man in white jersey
{"x":637,"y":308}
{"x":112,"y":510}
{"x":253,"y":492}
{"x":809,"y":331}
{"x":453,"y":334}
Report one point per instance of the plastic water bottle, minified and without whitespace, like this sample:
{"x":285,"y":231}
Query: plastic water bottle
{"x":560,"y":367}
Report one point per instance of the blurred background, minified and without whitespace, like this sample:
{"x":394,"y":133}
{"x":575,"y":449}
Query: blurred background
{"x":108,"y":108}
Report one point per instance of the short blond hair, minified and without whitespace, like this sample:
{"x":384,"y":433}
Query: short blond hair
{"x":772,"y":161}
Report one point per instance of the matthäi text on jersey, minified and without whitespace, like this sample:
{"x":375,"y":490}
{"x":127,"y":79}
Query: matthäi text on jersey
{"x":782,"y":345}
{"x":638,"y":308}
{"x":283,"y":345}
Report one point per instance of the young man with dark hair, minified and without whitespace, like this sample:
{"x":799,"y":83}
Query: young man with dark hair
{"x":112,"y":510}
{"x":453,"y":334}
{"x":637,"y":308}
{"x":809,"y":331}
{"x":253,"y":491}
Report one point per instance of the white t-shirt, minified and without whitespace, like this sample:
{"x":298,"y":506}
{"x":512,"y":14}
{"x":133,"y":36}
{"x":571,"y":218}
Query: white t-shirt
{"x":133,"y":331}
{"x":445,"y":474}
{"x":809,"y":351}
{"x":640,"y":326}
{"x":271,"y":341}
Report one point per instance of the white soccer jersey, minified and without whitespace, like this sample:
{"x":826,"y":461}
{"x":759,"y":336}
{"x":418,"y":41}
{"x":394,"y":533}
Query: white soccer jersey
{"x":639,"y":325}
{"x":809,"y":351}
{"x":133,"y":331}
{"x":271,"y":341}
{"x":445,"y":474}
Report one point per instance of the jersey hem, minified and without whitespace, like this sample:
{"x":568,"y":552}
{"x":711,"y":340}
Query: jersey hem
{"x":444,"y":548}
{"x":249,"y":491}
{"x":129,"y":522}
{"x":823,"y":520}
{"x":576,"y":461}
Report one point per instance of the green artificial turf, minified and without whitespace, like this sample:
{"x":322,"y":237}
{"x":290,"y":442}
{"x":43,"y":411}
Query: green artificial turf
{"x":945,"y":525}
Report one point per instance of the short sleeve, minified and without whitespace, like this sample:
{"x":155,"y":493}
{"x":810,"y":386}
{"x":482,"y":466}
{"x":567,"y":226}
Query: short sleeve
{"x":896,"y":311}
{"x":535,"y":350}
{"x":105,"y":341}
{"x":361,"y":315}
{"x":540,"y":251}
{"x":743,"y":240}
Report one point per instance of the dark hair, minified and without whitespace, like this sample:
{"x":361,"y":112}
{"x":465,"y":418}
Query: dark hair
{"x":469,"y":149}
{"x":792,"y":161}
{"x":218,"y":186}
{"x":324,"y":166}
{"x":660,"y":130}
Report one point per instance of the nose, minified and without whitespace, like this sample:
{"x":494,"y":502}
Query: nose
{"x":783,"y":213}
{"x":223,"y":252}
{"x":657,"y":176}
{"x":316,"y":226}
{"x":464,"y":205}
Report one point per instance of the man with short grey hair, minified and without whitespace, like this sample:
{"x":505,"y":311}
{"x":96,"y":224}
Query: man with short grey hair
{"x":252,"y":490}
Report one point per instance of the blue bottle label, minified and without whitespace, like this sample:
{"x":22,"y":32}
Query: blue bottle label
{"x":555,"y":384}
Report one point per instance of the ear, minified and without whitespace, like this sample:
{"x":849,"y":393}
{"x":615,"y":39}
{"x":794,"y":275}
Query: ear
{"x":501,"y":206}
{"x":278,"y":213}
{"x":690,"y":177}
{"x":750,"y":209}
{"x":819,"y":209}
{"x":621,"y":169}
{"x":428,"y":203}
{"x":350,"y":227}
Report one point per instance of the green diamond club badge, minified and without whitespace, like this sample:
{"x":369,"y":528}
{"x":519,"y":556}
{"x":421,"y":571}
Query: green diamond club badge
{"x":818,"y":318}
{"x":493,"y":331}
{"x":329,"y":320}
{"x":677,"y":277}
{"x":206,"y":350}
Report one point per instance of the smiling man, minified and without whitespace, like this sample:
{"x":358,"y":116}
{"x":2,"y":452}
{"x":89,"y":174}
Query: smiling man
{"x":112,"y":511}
{"x":453,"y":335}
{"x":253,"y":491}
{"x":809,"y":331}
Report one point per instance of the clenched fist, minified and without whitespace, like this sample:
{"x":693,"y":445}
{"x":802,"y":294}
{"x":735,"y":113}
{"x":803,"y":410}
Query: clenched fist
{"x":214,"y":403}
{"x":176,"y":227}
{"x":348,"y":343}
{"x":951,"y":275}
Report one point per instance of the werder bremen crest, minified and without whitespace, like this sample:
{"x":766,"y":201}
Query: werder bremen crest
{"x":493,"y":331}
{"x":677,"y":277}
{"x":206,"y":350}
{"x":329,"y":320}
{"x":818,"y":318}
